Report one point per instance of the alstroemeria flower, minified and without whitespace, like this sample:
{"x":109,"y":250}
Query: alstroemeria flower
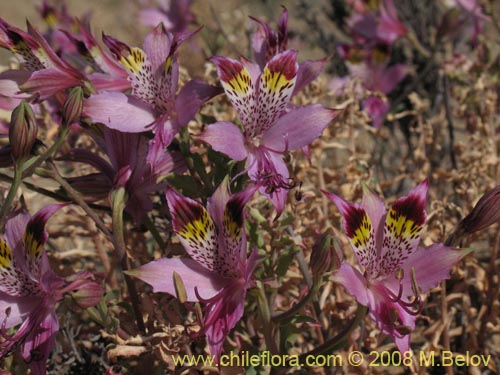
{"x":267,"y":43}
{"x":395,"y":268}
{"x":135,"y":163}
{"x":219,"y":272}
{"x":30,"y":290}
{"x":46,"y":72}
{"x":154,"y":75}
{"x":371,"y":69}
{"x":260,"y":99}
{"x":175,"y":15}
{"x":376,"y":23}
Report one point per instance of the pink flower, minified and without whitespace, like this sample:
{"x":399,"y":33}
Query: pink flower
{"x":395,"y":268}
{"x":267,"y":43}
{"x":377,"y":25}
{"x":219,"y":272}
{"x":153,"y":74}
{"x":260,"y":99}
{"x":30,"y":290}
{"x":49,"y":73}
{"x":175,"y":15}
{"x":135,"y":163}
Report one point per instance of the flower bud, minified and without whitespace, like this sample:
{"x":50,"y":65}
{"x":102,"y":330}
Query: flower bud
{"x":485,"y":213}
{"x":22,"y":131}
{"x":73,"y":106}
{"x":325,"y":256}
{"x":85,"y":291}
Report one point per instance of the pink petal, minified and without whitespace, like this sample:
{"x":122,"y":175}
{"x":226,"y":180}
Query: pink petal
{"x":227,"y":138}
{"x":157,"y":46}
{"x":377,"y":108}
{"x":10,"y":81}
{"x":42,"y":341}
{"x":270,"y":171}
{"x":103,"y":82}
{"x":190,"y":99}
{"x":389,"y":77}
{"x":20,"y":308}
{"x":159,"y":274}
{"x":298,"y":128}
{"x":432,"y":264}
{"x":308,"y":72}
{"x":48,"y":82}
{"x":119,"y":111}
{"x":354,"y":282}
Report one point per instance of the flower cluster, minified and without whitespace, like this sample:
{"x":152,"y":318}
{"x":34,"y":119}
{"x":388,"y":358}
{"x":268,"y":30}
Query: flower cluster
{"x":123,"y":133}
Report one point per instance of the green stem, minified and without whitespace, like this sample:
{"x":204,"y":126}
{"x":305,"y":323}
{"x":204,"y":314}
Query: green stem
{"x":296,"y":308}
{"x":32,"y":165}
{"x":18,"y":167}
{"x":337,"y":341}
{"x":266,"y":319}
{"x":119,"y":199}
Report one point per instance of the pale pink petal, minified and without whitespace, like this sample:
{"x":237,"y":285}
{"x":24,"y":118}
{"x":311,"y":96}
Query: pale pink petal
{"x":159,"y":274}
{"x":227,"y":138}
{"x":298,"y":128}
{"x":119,"y":111}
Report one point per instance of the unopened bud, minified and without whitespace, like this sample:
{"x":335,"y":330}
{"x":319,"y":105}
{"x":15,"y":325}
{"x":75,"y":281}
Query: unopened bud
{"x":86,"y":291}
{"x":324,"y":257}
{"x":485,"y":213}
{"x":73,"y":106}
{"x":22,"y":131}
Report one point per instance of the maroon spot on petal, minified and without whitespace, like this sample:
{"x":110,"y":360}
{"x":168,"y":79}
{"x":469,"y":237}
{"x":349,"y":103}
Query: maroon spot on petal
{"x":228,"y":69}
{"x":353,"y":219}
{"x":412,"y":207}
{"x":285,"y":63}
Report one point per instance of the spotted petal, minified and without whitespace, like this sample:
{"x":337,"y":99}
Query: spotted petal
{"x":359,"y":229}
{"x":233,"y":232}
{"x":276,"y":85}
{"x":238,"y":82}
{"x":197,"y":232}
{"x":139,"y":68}
{"x":35,"y":237}
{"x":403,"y":225}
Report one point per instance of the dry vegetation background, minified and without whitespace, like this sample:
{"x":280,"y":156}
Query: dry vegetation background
{"x":461,"y":315}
